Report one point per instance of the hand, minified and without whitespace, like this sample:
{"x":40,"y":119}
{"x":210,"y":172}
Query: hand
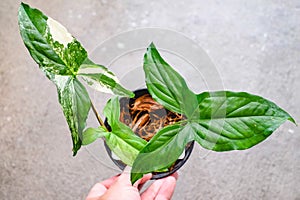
{"x":119,"y":188}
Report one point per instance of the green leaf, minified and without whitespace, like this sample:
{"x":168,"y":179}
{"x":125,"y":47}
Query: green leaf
{"x":226,"y":121}
{"x":112,"y":112}
{"x":235,"y":121}
{"x":76,"y":104}
{"x":166,"y":86}
{"x":55,"y":50}
{"x":121,"y":140}
{"x":92,"y":134}
{"x":99,"y":78}
{"x":162,"y":150}
{"x":60,"y":56}
{"x":58,"y":53}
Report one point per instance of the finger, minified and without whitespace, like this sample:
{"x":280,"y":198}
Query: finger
{"x":139,"y":183}
{"x":124,"y":178}
{"x":97,"y":191}
{"x":108,"y":182}
{"x":100,"y":188}
{"x":167,"y":189}
{"x":152,"y":191}
{"x":162,"y":188}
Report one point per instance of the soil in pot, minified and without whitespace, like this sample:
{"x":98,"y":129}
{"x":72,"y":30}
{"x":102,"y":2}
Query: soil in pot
{"x":145,"y":117}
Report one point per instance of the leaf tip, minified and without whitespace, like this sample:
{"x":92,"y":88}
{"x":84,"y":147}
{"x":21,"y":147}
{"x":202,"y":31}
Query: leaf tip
{"x":291,"y":119}
{"x":150,"y":50}
{"x":134,"y":177}
{"x":74,"y":152}
{"x":152,"y":45}
{"x":22,"y":4}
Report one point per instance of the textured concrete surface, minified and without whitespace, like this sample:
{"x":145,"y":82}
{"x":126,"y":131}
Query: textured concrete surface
{"x":255,"y":46}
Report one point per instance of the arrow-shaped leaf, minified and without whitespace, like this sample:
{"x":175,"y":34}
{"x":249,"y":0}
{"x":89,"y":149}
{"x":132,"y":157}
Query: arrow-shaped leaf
{"x":60,"y":56}
{"x":223,"y":121}
{"x":235,"y":120}
{"x":167,"y":86}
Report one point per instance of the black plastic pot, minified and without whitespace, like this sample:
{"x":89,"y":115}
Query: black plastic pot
{"x":155,"y":175}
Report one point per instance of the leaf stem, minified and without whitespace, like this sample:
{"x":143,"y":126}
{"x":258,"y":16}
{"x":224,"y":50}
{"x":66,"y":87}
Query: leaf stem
{"x":97,"y":115}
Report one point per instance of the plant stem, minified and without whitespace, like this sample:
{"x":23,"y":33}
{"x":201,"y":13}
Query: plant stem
{"x":97,"y":115}
{"x":98,"y":118}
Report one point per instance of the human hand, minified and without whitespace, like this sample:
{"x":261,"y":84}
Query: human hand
{"x":119,"y":188}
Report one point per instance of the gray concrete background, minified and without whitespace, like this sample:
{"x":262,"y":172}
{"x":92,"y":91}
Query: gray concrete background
{"x":255,"y":46}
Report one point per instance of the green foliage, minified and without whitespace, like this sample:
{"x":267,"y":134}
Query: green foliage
{"x":60,"y":56}
{"x":162,"y":150}
{"x":166,"y":86}
{"x":235,"y":120}
{"x":121,"y":140}
{"x":92,"y":134}
{"x":100,"y":78}
{"x":219,"y":121}
{"x":75,"y":103}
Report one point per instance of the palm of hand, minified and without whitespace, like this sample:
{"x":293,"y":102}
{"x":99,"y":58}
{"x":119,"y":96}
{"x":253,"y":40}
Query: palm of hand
{"x":120,"y":188}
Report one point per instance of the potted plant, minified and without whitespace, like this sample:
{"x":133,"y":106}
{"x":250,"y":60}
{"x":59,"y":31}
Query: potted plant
{"x":219,"y":120}
{"x":146,"y":117}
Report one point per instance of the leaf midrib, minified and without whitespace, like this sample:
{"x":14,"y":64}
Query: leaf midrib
{"x":218,"y":118}
{"x":160,"y":74}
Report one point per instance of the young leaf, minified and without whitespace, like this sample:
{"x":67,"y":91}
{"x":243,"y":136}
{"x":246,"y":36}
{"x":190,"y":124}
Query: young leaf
{"x":166,"y":86}
{"x":55,"y":50}
{"x":121,"y":140}
{"x":76,"y":104}
{"x":101,"y":79}
{"x":92,"y":134}
{"x":162,"y":150}
{"x":112,"y":112}
{"x":235,"y":121}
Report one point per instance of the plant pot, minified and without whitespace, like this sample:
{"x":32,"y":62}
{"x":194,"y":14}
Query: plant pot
{"x":136,"y":119}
